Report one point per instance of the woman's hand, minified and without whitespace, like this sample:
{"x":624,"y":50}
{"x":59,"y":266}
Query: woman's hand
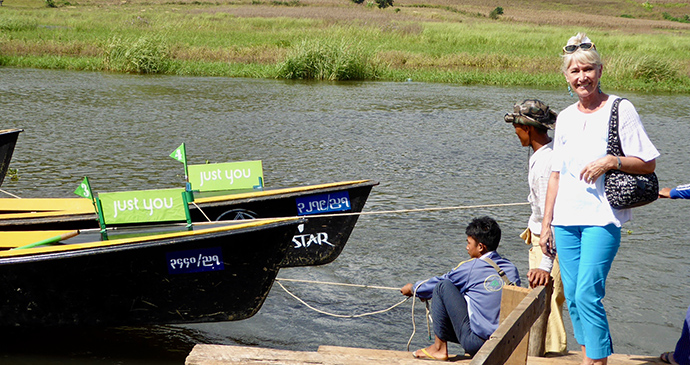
{"x":547,"y":243}
{"x":596,"y":169}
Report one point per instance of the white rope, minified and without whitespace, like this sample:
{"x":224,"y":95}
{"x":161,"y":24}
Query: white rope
{"x":342,"y":315}
{"x":10,"y":194}
{"x":443,"y":208}
{"x":417,"y":210}
{"x":401,"y":211}
{"x":340,"y":284}
{"x":202,"y":212}
{"x":414,"y":325}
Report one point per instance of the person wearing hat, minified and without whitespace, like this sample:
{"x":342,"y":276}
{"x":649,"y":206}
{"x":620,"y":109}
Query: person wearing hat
{"x":532,"y":120}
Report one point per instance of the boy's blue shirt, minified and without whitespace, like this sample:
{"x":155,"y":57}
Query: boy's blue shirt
{"x":480,"y":284}
{"x":680,"y":191}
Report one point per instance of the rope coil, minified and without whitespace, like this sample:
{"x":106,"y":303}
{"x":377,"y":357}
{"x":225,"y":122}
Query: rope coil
{"x":334,"y":314}
{"x":414,"y":326}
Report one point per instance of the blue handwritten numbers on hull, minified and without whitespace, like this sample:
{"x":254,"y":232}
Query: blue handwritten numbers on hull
{"x":191,"y":261}
{"x":324,"y":203}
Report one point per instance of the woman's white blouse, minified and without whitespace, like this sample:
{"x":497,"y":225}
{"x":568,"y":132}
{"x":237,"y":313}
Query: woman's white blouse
{"x":581,"y":138}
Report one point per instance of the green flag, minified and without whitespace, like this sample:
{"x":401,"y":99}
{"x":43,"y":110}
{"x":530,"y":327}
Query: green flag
{"x":180,"y":154}
{"x":143,"y":206}
{"x":84,"y":190}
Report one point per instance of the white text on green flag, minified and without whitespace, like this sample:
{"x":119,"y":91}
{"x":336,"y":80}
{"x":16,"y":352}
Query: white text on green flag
{"x":227,"y":176}
{"x":143,"y":206}
{"x":84,"y":190}
{"x":180,"y":154}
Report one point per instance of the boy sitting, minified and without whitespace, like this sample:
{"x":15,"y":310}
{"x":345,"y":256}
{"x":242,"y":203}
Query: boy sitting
{"x":466,"y":300}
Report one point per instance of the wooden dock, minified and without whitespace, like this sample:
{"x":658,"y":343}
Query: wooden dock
{"x":331,"y":355}
{"x":519,"y":340}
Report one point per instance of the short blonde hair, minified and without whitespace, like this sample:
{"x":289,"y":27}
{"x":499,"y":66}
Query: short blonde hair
{"x":590,"y":56}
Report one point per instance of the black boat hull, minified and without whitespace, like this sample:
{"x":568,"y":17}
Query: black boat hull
{"x":317,"y":242}
{"x":132,"y":284}
{"x":8,"y":139}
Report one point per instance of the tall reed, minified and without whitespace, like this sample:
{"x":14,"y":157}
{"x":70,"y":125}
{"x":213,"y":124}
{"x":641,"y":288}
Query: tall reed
{"x":145,"y":55}
{"x":328,"y":59}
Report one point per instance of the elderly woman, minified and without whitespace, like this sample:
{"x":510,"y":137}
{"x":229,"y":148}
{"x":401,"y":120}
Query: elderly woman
{"x":577,"y":217}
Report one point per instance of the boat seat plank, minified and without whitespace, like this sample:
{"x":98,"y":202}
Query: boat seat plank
{"x":78,"y":205}
{"x":12,"y":239}
{"x":259,"y":194}
{"x":133,"y":240}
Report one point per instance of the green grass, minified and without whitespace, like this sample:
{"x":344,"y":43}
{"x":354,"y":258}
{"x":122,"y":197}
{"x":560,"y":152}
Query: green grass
{"x":145,"y":55}
{"x":336,"y":59}
{"x":206,"y":39}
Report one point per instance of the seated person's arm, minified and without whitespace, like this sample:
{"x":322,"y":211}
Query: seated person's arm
{"x":407,"y":290}
{"x":681,"y":191}
{"x":538,"y":277}
{"x":541,"y":275}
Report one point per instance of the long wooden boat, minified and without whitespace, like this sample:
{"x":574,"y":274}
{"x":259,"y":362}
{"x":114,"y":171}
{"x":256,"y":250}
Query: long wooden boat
{"x":8,"y":139}
{"x":164,"y":275}
{"x":331,"y":208}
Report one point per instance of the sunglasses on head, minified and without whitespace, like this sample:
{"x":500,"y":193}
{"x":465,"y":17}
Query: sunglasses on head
{"x":583,"y":46}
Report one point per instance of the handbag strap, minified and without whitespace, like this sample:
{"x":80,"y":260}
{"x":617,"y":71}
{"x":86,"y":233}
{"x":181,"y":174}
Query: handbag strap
{"x":614,"y":142}
{"x":500,"y":271}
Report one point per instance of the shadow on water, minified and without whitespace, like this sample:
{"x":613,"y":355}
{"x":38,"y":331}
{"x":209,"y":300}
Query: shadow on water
{"x":155,"y":345}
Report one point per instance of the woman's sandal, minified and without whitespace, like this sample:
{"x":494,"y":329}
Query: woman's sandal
{"x":667,"y":357}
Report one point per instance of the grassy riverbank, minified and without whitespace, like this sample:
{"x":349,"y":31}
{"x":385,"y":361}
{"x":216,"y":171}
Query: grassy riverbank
{"x":645,"y":45}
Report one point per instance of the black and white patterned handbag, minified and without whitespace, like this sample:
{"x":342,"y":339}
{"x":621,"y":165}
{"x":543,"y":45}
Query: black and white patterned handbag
{"x":624,"y":190}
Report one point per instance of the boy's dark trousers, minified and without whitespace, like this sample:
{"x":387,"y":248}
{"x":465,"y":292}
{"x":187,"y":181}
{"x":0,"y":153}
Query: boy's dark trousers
{"x":451,"y":319}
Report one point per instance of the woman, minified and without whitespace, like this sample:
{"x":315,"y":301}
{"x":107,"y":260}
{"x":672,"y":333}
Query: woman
{"x":586,"y":230}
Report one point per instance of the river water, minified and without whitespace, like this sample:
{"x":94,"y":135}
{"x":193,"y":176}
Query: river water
{"x":429,"y":146}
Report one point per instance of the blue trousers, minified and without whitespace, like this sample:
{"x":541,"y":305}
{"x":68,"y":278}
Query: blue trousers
{"x":682,"y":353}
{"x":451,"y":319}
{"x":586,"y":254}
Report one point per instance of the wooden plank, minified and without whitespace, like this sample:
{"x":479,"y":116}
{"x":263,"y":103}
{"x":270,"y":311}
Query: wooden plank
{"x":511,"y":297}
{"x":575,"y":358}
{"x":122,"y":241}
{"x":537,"y":334}
{"x":340,"y":350}
{"x":264,"y":193}
{"x":331,"y":355}
{"x":71,"y":205}
{"x":511,"y":331}
{"x":12,"y":239}
{"x":64,"y":214}
{"x":223,"y":354}
{"x":383,"y":353}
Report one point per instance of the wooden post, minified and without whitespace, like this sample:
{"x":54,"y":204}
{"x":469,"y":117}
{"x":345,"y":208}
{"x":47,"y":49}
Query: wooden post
{"x":537,"y":335}
{"x":498,"y":348}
